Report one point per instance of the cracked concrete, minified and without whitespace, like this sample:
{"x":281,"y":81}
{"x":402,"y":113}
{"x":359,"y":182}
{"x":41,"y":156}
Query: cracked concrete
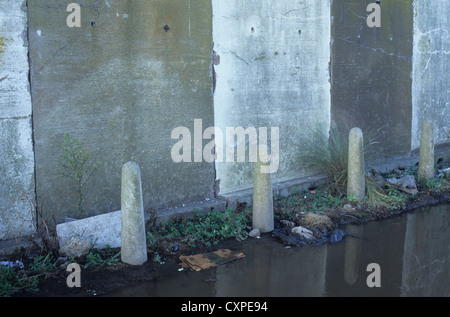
{"x":430,"y":86}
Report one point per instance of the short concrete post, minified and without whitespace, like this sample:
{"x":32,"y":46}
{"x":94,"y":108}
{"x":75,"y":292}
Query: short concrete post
{"x":426,"y":158}
{"x":134,"y":248}
{"x":262,"y":217}
{"x":356,"y":183}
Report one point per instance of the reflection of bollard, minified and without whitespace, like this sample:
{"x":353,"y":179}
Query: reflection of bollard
{"x":356,"y":183}
{"x":262,"y":196}
{"x":426,"y":158}
{"x":134,"y":249}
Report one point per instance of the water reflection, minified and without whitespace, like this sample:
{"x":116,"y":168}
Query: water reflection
{"x":412,"y":251}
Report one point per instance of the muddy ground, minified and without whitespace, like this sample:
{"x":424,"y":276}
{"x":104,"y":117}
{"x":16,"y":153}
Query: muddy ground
{"x":101,"y":280}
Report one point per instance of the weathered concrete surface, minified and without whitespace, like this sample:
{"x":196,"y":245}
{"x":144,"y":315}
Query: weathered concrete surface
{"x":134,"y":248}
{"x":426,"y":157}
{"x":16,"y":147}
{"x":102,"y":230}
{"x":356,"y":180}
{"x":262,"y":213}
{"x":431,"y":78}
{"x":273,"y":72}
{"x":371,"y":72}
{"x":120,"y":84}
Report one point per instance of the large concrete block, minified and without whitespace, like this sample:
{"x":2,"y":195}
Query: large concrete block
{"x":120,"y":84}
{"x":102,"y":230}
{"x":371,"y":72}
{"x":430,"y":84}
{"x":271,"y":70}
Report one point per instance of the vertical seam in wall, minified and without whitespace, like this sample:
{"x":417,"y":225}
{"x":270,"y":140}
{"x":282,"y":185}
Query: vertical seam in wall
{"x":32,"y":117}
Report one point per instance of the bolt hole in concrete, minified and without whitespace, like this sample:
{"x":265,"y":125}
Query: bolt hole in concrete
{"x":411,"y":252}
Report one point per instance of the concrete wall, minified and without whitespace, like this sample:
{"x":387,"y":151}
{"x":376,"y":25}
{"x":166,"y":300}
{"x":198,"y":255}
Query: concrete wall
{"x":16,"y":147}
{"x":431,"y":82}
{"x":120,"y":84}
{"x":273,"y":72}
{"x":371,"y":72}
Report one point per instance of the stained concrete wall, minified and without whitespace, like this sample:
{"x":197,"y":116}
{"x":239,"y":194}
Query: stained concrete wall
{"x":273,"y":72}
{"x":120,"y":84}
{"x":431,"y":78}
{"x":16,"y":147}
{"x":371,"y":72}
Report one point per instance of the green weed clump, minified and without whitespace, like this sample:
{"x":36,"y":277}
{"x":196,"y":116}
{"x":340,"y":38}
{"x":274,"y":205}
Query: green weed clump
{"x":14,"y":280}
{"x":97,"y":258}
{"x":316,"y":201}
{"x":203,"y":230}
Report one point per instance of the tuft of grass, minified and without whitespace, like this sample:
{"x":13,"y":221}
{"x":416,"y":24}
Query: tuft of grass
{"x":377,"y":196}
{"x":327,"y":154}
{"x":102,"y":257}
{"x":13,"y":281}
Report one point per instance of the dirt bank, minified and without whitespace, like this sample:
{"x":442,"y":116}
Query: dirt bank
{"x":97,"y":281}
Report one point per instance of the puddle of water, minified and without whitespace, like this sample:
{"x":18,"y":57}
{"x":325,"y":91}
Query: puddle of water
{"x":412,"y":251}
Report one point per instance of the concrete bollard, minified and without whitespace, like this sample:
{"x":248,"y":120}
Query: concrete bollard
{"x":356,"y":183}
{"x":426,"y":156}
{"x":134,"y":248}
{"x":262,"y":216}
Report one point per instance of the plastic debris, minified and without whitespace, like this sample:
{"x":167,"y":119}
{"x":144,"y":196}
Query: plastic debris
{"x":12,"y":264}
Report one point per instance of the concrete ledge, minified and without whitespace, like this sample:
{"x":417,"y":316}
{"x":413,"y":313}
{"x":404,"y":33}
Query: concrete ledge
{"x":283,"y":189}
{"x":11,"y":246}
{"x":186,"y":211}
{"x":407,"y":160}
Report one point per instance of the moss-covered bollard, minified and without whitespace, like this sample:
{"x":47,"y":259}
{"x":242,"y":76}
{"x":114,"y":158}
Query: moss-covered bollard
{"x":262,"y":216}
{"x":426,"y":156}
{"x":356,"y":183}
{"x":133,"y":249}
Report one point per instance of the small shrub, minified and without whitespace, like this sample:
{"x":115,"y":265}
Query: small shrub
{"x":75,"y":164}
